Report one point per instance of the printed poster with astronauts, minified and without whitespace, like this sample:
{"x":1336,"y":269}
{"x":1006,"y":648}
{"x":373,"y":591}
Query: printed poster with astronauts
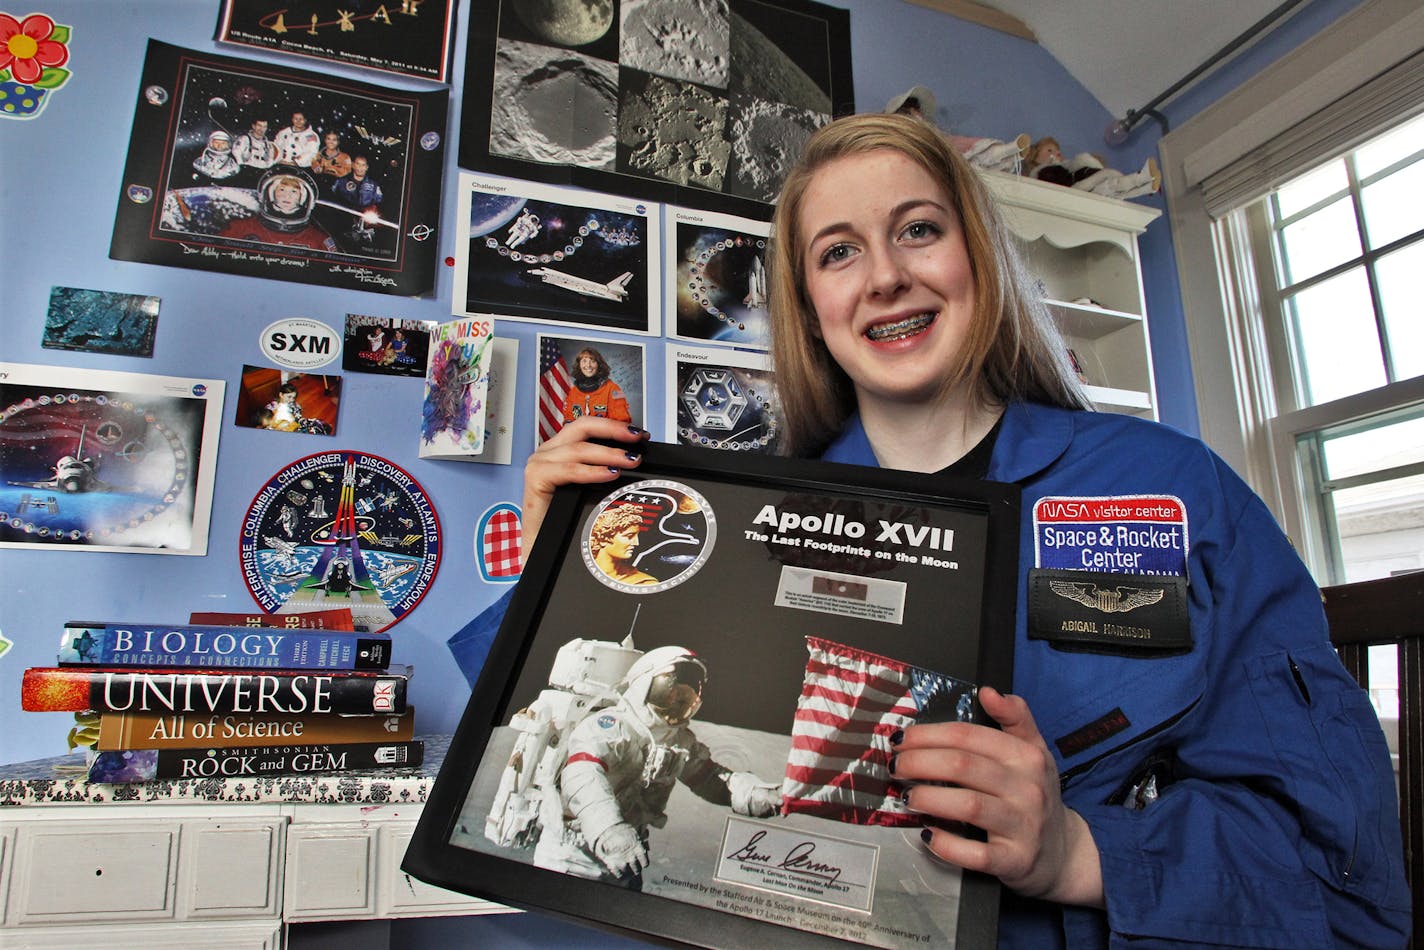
{"x":252,"y":169}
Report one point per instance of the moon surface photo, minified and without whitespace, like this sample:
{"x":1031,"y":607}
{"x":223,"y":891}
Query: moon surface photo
{"x":647,"y":97}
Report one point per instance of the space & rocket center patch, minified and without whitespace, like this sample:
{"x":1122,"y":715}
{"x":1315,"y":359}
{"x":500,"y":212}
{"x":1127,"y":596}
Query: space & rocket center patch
{"x":1122,"y":534}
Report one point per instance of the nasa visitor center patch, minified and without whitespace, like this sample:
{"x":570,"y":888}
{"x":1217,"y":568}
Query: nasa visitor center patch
{"x":1119,"y":534}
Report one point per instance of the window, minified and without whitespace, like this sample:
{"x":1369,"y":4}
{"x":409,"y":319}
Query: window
{"x":1290,"y":202}
{"x":1348,"y":243}
{"x":1337,"y":252}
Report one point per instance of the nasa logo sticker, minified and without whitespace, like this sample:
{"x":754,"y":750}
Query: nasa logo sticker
{"x":648,"y":536}
{"x":300,"y":343}
{"x":341,"y":529}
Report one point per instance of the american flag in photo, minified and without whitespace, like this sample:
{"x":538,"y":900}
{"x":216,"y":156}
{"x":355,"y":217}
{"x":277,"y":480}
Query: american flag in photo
{"x":554,"y":384}
{"x":851,"y":702}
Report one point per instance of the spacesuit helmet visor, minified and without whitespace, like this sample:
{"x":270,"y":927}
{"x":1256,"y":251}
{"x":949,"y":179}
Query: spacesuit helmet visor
{"x":675,"y":693}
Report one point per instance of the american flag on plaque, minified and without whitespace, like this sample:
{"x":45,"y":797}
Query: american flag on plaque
{"x":851,"y":702}
{"x":554,"y":383}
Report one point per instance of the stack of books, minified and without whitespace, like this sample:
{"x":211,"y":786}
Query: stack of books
{"x":198,"y":701}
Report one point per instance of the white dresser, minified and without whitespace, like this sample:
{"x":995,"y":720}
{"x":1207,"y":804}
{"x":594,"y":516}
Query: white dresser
{"x":214,"y":863}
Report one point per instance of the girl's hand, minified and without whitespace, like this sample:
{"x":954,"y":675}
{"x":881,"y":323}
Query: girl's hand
{"x":1006,"y":783}
{"x":569,"y":458}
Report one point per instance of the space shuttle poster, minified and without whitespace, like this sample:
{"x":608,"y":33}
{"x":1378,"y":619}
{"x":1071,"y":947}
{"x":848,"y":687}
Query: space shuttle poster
{"x":717,"y":291}
{"x":541,"y":253}
{"x":93,"y":460}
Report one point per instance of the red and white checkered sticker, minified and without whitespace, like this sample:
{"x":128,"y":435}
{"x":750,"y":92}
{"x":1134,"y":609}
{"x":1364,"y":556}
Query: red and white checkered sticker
{"x":498,"y":541}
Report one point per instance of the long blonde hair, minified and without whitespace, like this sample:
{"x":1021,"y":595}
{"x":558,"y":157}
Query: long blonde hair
{"x":1013,"y":350}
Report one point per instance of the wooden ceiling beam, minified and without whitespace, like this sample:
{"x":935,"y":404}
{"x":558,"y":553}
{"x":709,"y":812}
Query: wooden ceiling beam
{"x":982,"y":15}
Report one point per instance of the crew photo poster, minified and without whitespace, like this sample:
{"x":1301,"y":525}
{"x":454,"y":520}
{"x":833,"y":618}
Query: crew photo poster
{"x":247,"y":168}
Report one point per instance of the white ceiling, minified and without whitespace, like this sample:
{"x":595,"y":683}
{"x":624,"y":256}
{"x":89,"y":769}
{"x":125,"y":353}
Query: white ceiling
{"x":1126,"y":52}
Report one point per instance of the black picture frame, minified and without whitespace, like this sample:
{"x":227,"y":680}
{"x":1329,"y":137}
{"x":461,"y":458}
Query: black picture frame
{"x":406,"y":39}
{"x":569,"y":102}
{"x":186,"y":203}
{"x":727,"y":598}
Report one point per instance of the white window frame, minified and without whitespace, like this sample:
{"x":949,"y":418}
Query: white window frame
{"x":1239,"y":398}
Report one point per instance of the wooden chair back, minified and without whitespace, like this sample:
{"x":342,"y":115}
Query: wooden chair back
{"x":1381,"y":612}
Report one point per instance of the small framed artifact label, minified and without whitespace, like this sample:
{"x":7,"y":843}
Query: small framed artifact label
{"x":684,"y":724}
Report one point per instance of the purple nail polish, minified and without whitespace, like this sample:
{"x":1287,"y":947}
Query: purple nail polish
{"x":632,"y":456}
{"x":892,"y":764}
{"x":926,"y":835}
{"x":897,"y":737}
{"x":615,"y":470}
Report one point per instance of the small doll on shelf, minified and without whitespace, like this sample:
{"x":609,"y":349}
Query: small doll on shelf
{"x":1087,"y":172}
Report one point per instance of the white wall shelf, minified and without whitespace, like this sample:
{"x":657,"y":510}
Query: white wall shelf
{"x":1083,"y":247}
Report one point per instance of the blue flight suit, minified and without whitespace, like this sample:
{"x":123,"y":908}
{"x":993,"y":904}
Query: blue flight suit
{"x":1274,"y":821}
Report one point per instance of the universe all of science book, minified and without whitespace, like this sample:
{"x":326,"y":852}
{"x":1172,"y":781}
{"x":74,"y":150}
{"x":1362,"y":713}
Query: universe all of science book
{"x":146,"y":765}
{"x":194,"y":645}
{"x":120,"y":731}
{"x":286,"y":692}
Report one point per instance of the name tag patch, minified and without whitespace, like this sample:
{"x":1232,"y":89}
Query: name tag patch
{"x":1109,"y":612}
{"x":1127,"y":534}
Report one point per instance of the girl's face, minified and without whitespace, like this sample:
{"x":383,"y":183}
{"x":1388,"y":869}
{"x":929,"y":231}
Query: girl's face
{"x":588,"y":365}
{"x":288,"y":397}
{"x":287,"y":198}
{"x":887,"y":273}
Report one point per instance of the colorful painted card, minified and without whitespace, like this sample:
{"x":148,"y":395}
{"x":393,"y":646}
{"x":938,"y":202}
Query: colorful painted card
{"x":406,"y":37}
{"x":246,"y":168}
{"x":452,"y":413}
{"x":283,"y":401}
{"x":341,"y":529}
{"x":92,"y":460}
{"x":557,"y":255}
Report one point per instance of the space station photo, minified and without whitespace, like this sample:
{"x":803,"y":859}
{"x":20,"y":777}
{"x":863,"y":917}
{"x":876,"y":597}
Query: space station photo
{"x":653,"y":740}
{"x":263,"y":171}
{"x":722,"y":399}
{"x":105,"y":461}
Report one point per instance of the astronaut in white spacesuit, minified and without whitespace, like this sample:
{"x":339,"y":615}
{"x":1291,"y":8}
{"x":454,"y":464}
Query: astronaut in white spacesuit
{"x":620,"y":768}
{"x":217,"y":161}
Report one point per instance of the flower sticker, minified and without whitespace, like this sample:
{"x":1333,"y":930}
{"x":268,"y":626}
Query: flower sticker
{"x":32,"y":52}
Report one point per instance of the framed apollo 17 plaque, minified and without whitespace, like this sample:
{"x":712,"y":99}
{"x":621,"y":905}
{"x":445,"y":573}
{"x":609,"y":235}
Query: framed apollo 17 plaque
{"x":683,"y":727}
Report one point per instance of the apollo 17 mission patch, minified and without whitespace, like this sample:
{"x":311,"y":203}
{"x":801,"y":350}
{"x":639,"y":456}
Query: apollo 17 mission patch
{"x":648,"y":536}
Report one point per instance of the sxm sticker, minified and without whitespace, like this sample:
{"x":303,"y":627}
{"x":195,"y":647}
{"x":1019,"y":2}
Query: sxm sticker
{"x":300,"y":343}
{"x":1123,"y":534}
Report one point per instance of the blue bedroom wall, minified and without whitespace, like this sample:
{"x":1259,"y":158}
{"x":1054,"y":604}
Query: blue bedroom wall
{"x":60,"y":179}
